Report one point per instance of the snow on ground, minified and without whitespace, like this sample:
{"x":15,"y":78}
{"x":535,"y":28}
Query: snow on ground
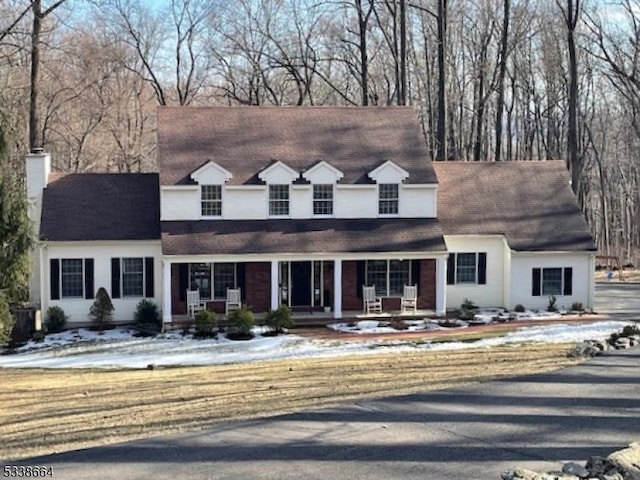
{"x":118,"y":348}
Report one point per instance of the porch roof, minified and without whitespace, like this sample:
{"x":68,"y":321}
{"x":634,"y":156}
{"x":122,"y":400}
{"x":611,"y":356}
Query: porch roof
{"x":236,"y":237}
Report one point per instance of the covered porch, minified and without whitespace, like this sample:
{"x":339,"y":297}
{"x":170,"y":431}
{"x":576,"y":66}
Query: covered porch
{"x":316,"y":290}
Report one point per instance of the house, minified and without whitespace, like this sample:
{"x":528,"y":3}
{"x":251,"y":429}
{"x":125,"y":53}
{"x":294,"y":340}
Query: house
{"x":303,"y":206}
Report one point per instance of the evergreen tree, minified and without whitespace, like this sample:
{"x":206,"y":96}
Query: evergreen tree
{"x":15,"y":231}
{"x":102,"y":309}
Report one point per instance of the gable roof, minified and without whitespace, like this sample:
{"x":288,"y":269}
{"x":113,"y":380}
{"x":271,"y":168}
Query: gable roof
{"x":236,"y":237}
{"x":530,"y":202}
{"x":245,"y":140}
{"x":101,"y":206}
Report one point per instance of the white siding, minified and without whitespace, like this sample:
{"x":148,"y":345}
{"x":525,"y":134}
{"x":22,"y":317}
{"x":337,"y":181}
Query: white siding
{"x":182,"y":204}
{"x":360,"y":202}
{"x":101,"y":253}
{"x":417,"y":202}
{"x":244,"y":204}
{"x":491,"y":294}
{"x":521,"y":288}
{"x":301,"y":201}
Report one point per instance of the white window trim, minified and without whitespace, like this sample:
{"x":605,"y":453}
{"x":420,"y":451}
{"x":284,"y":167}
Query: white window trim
{"x":455,"y":272}
{"x":562,"y":284}
{"x":222,"y":195}
{"x":313,"y":201}
{"x":213,"y":298}
{"x":397,"y":200}
{"x":388,"y":275}
{"x":285,"y":215}
{"x":121,"y":279}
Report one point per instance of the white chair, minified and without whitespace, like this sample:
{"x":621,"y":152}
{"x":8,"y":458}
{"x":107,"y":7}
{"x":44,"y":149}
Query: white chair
{"x":409,"y":300}
{"x":371,"y":302}
{"x":234,"y":301}
{"x":194,"y":304}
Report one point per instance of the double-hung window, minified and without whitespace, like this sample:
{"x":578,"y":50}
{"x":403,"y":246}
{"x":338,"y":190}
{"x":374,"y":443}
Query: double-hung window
{"x":71,"y":278}
{"x":388,"y":199}
{"x":211,"y":200}
{"x":388,"y":276}
{"x":323,"y":199}
{"x":551,"y":281}
{"x":278,"y":200}
{"x":132,"y":277}
{"x":467,"y":268}
{"x":212,"y":279}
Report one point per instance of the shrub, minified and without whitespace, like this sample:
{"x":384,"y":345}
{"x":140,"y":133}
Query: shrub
{"x":279,"y":319}
{"x":518,"y":308}
{"x":468,"y":305}
{"x":577,"y":307}
{"x":240,"y":323}
{"x":551,"y":307}
{"x":205,"y":324}
{"x":101,"y":311}
{"x":627,"y":331}
{"x":6,"y":320}
{"x":147,"y":317}
{"x":55,"y":320}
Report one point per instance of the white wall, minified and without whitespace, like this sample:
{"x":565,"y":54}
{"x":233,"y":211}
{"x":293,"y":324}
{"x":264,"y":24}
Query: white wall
{"x":491,"y":294}
{"x":180,"y":204}
{"x":101,"y":252}
{"x":251,"y":202}
{"x":417,"y":202}
{"x":523,"y":263}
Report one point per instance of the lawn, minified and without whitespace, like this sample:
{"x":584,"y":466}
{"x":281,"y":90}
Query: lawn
{"x":48,"y":410}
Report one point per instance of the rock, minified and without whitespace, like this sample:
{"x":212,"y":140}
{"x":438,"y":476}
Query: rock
{"x":612,"y":474}
{"x":627,"y":461}
{"x":573,"y":468}
{"x":598,"y":465}
{"x":622,"y":343}
{"x":523,"y":473}
{"x":507,"y":475}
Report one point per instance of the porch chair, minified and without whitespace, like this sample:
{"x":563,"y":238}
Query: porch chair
{"x":371,"y":302}
{"x":409,"y":298}
{"x":194,"y":304}
{"x":234,"y":301}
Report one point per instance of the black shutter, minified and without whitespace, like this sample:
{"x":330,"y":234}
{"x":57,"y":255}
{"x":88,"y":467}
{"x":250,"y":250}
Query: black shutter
{"x":148,"y":277}
{"x":568,"y":280}
{"x":183,"y":280}
{"x":240,"y":278}
{"x":482,"y":268}
{"x":451,"y":269}
{"x":415,"y":273}
{"x":115,"y":278}
{"x":88,"y":278}
{"x":54,"y":278}
{"x":535,"y":282}
{"x":360,"y":266}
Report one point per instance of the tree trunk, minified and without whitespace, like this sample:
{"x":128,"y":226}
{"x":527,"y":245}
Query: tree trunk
{"x":441,"y":135}
{"x":574,"y":159}
{"x":501,"y":74}
{"x":402,"y":94}
{"x":34,"y":141}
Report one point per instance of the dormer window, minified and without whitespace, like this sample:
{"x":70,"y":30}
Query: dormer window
{"x":278,"y":200}
{"x":211,"y":200}
{"x":323,"y":199}
{"x":388,"y":199}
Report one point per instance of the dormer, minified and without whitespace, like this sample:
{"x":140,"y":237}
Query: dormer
{"x":323,"y":173}
{"x":211,"y":174}
{"x":278,"y":173}
{"x":388,"y":172}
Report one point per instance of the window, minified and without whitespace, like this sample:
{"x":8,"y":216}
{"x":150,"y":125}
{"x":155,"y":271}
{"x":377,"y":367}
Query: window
{"x":278,"y":199}
{"x":389,"y":276}
{"x":551,"y":281}
{"x":72,"y":276}
{"x":323,"y":199}
{"x":467,"y":268}
{"x":212,"y":278}
{"x":388,"y":199}
{"x":132,"y":277}
{"x":211,"y":204}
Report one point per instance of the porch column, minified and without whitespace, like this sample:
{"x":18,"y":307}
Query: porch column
{"x":337,"y":289}
{"x":274,"y":285}
{"x":441,"y":286}
{"x":166,"y":292}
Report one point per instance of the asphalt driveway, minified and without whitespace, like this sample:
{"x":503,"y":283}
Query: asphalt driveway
{"x":468,"y":433}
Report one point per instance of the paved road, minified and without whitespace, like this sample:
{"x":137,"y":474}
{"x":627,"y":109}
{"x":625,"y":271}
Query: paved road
{"x":467,"y":433}
{"x":621,"y":299}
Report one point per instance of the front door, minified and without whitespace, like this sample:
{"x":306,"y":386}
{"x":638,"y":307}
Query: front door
{"x":300,"y":284}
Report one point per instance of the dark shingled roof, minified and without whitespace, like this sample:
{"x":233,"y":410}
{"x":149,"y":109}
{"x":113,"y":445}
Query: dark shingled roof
{"x":236,"y":237}
{"x":245,"y":140}
{"x":101,"y":206}
{"x":531,"y":203}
